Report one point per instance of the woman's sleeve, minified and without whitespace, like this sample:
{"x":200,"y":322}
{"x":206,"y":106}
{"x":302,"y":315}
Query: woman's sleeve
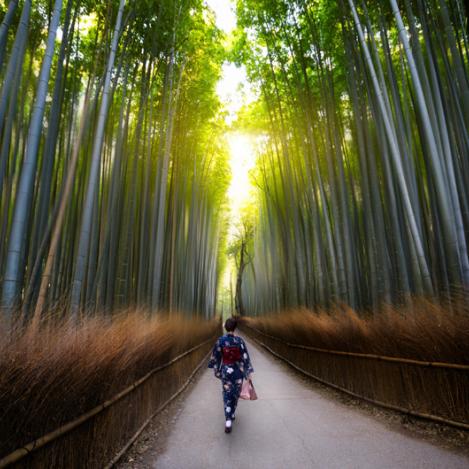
{"x":215,"y":359}
{"x":248,"y":369}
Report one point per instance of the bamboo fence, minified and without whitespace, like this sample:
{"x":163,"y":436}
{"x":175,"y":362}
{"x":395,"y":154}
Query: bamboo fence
{"x":101,"y":436}
{"x":434,"y":391}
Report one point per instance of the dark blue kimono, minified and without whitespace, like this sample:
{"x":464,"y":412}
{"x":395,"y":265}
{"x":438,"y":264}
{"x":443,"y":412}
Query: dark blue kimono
{"x":231,"y":363}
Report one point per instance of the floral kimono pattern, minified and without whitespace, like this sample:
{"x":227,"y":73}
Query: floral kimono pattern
{"x":231,"y":363}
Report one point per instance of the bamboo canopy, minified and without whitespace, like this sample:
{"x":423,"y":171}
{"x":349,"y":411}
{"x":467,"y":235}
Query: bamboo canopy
{"x":113,"y":170}
{"x":362,"y":178}
{"x":114,"y":164}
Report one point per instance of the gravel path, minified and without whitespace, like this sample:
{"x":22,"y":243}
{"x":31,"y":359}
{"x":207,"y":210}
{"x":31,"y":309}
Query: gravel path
{"x":292,"y":425}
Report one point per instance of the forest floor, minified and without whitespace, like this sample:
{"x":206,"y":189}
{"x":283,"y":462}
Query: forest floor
{"x":296,"y":423}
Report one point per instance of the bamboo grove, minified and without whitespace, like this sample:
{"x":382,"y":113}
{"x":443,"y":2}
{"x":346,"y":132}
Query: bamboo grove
{"x":364,"y":170}
{"x":112,"y":168}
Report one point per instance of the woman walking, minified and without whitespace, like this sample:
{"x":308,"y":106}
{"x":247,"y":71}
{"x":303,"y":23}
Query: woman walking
{"x":231,"y":363}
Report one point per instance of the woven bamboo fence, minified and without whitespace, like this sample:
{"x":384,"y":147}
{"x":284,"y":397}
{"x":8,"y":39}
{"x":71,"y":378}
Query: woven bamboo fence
{"x":433,"y":391}
{"x":101,"y":436}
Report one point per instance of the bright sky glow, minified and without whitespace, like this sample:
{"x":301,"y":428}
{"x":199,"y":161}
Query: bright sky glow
{"x":233,"y":88}
{"x":242,"y":148}
{"x":242,"y":160}
{"x":235,"y":91}
{"x":225,"y":15}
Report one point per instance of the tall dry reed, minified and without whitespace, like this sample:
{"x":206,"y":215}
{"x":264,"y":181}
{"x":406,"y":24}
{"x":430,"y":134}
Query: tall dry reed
{"x":52,"y":376}
{"x":423,"y":330}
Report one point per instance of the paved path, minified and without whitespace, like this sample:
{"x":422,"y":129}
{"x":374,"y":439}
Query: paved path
{"x":290,"y":426}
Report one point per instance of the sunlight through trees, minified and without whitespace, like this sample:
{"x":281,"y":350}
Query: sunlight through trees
{"x":113,"y":167}
{"x":122,"y":124}
{"x":363,"y":181}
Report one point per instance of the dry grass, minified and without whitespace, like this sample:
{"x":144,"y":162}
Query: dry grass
{"x":53,"y":376}
{"x":423,"y":330}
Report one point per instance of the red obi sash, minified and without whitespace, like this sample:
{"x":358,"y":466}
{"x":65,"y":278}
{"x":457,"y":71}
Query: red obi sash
{"x":231,"y":355}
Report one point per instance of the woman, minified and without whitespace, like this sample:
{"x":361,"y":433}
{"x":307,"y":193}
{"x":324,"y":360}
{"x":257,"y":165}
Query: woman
{"x":231,"y":363}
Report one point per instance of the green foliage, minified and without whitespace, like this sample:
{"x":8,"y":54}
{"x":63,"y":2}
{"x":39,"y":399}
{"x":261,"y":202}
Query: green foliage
{"x":164,"y":173}
{"x":350,"y":191}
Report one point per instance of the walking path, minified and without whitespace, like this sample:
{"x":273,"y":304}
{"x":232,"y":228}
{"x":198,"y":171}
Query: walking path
{"x":290,"y":426}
